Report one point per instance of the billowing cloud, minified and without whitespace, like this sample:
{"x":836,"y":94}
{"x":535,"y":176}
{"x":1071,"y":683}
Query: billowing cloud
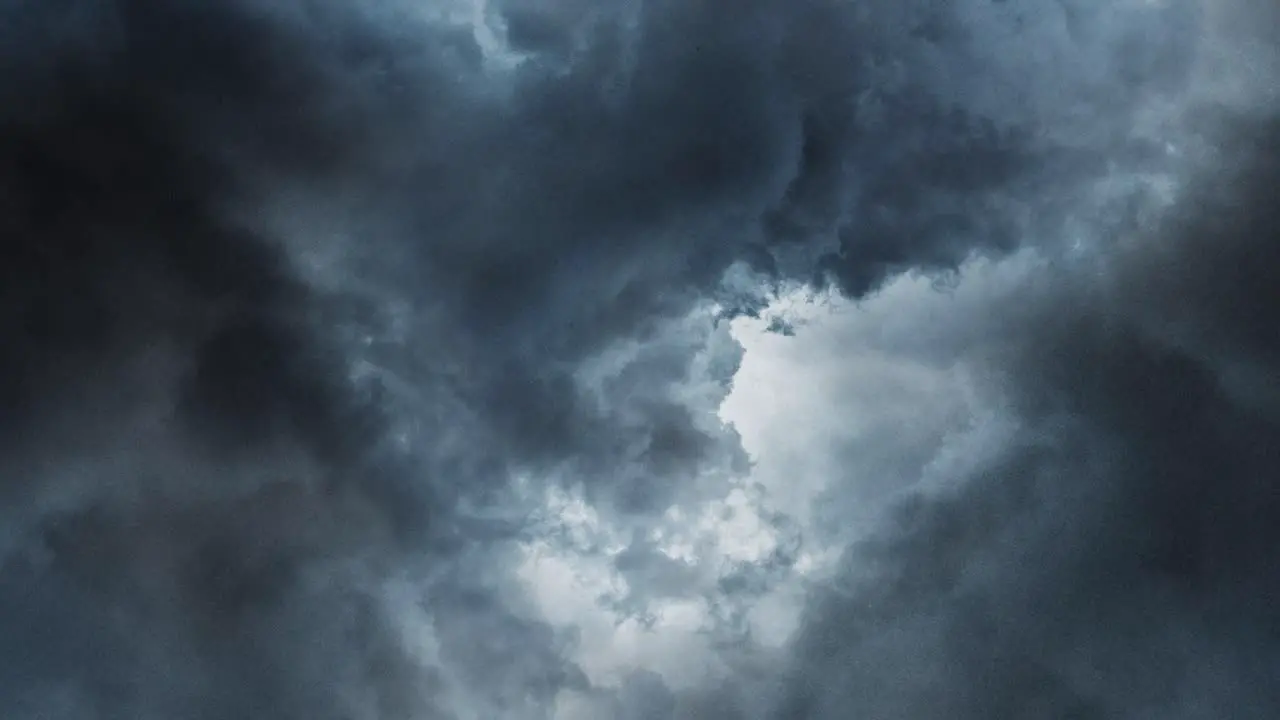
{"x":1112,"y":558}
{"x":368,"y":360}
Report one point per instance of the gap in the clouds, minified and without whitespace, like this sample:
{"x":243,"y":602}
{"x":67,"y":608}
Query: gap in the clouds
{"x":840,"y":417}
{"x":872,"y":400}
{"x":865,"y":403}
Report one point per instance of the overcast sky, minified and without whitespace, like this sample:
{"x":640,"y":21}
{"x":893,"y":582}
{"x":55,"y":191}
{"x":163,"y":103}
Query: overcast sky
{"x":639,"y":359}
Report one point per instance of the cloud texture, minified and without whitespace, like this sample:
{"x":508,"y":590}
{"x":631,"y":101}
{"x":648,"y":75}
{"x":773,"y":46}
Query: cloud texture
{"x":364,"y":360}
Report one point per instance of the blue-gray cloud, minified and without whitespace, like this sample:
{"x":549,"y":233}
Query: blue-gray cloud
{"x":306,"y":306}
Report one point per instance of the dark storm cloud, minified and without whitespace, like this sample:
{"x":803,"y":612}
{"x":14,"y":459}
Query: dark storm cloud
{"x":218,"y":450}
{"x":640,"y":150}
{"x":184,"y":469}
{"x":1117,"y":560}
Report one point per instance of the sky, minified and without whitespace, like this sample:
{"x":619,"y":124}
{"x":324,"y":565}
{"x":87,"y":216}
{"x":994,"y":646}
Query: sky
{"x":639,"y":359}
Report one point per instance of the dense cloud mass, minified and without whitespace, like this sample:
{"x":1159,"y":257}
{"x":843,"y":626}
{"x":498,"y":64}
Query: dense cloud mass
{"x":1114,"y":557}
{"x":387,"y":359}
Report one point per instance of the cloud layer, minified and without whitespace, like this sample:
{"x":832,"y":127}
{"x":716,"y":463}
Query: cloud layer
{"x":365,"y":361}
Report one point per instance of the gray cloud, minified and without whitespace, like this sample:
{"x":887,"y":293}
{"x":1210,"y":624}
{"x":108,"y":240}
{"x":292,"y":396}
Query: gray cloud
{"x":1113,"y":560}
{"x":306,"y":307}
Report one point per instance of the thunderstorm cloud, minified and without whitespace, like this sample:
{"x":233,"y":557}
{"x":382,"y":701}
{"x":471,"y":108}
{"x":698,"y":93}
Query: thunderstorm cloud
{"x":639,"y":359}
